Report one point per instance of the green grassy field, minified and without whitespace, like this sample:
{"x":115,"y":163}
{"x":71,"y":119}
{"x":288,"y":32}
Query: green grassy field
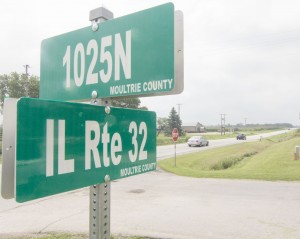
{"x":269,"y":159}
{"x":66,"y":236}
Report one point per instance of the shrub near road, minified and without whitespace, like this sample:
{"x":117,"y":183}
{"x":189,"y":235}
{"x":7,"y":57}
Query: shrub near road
{"x":269,"y":159}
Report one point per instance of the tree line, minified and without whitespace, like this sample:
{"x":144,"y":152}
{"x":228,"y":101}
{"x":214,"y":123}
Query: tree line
{"x":17,"y":85}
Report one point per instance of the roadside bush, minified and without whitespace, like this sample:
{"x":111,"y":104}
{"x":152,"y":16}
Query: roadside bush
{"x":224,"y":164}
{"x":229,"y":162}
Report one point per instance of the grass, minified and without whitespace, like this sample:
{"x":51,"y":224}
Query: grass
{"x":0,"y":152}
{"x":67,"y":236}
{"x":269,"y":159}
{"x":161,"y":139}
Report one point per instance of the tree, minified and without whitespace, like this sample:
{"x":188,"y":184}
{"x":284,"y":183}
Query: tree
{"x":34,"y":87}
{"x":128,"y":102}
{"x":3,"y":88}
{"x":17,"y":85}
{"x":174,"y":121}
{"x":162,"y":124}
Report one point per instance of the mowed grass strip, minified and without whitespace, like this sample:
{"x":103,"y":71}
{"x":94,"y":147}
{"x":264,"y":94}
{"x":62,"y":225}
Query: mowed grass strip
{"x":269,"y":159}
{"x":66,"y":236}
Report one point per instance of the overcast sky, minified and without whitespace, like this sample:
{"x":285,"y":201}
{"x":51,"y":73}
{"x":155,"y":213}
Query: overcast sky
{"x":242,"y":57}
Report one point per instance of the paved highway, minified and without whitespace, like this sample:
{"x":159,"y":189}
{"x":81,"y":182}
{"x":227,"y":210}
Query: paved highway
{"x":168,"y":150}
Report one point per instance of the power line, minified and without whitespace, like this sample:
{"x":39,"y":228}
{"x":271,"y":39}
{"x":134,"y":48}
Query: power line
{"x":223,"y":124}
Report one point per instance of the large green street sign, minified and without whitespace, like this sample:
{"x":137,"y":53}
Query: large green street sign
{"x":61,"y":146}
{"x":130,"y":55}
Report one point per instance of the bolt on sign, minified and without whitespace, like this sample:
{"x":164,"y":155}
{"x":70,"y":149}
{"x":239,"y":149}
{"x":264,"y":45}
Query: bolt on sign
{"x":75,"y":145}
{"x":138,"y":54}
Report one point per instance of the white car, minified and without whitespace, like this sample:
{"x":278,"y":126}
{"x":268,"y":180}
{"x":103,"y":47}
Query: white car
{"x":197,"y":141}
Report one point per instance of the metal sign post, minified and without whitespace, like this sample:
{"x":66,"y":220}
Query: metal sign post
{"x":100,"y":193}
{"x":9,"y":146}
{"x":175,"y":153}
{"x":175,"y":138}
{"x":99,"y":222}
{"x":100,"y":211}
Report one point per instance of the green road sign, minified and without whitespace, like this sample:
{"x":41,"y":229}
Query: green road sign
{"x":130,"y":55}
{"x":61,"y":146}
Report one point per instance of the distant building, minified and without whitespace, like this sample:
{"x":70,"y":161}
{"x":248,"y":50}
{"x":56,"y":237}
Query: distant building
{"x":194,"y":127}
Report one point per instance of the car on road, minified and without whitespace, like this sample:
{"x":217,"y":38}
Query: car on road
{"x":241,"y":137}
{"x":197,"y":141}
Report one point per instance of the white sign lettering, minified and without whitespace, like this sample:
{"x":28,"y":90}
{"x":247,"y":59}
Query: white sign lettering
{"x":95,"y":138}
{"x":64,"y":165}
{"x":76,"y":58}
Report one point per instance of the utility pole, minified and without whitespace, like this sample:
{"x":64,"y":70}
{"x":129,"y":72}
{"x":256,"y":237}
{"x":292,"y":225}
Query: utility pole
{"x":179,"y":109}
{"x":223,"y":123}
{"x":245,"y":121}
{"x":27,"y":80}
{"x":26,"y":70}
